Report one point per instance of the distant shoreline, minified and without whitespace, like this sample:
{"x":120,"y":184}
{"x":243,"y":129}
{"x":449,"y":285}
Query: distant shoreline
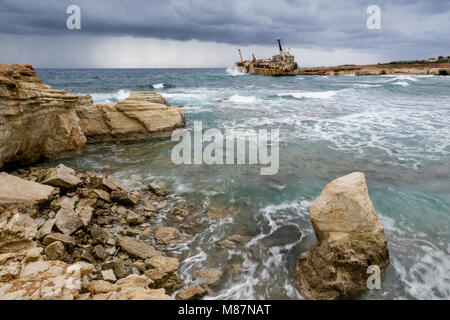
{"x":381,"y":69}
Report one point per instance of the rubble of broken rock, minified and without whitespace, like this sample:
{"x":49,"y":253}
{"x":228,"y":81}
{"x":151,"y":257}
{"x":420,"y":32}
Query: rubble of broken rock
{"x":80,"y":235}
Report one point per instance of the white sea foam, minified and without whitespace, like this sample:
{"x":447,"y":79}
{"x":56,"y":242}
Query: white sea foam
{"x":310,"y":95}
{"x":401,"y":83}
{"x":367,"y":85}
{"x":158,"y":86}
{"x":242,"y":99}
{"x":234,"y":71}
{"x":110,"y":97}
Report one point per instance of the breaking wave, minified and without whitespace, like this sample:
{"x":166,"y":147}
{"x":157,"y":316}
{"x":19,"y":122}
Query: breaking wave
{"x":242,"y":99}
{"x":111,"y":97}
{"x":234,"y":71}
{"x":158,"y":85}
{"x":310,"y":95}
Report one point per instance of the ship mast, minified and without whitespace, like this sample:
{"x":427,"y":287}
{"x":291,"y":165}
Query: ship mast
{"x":279,"y":45}
{"x":240,"y":54}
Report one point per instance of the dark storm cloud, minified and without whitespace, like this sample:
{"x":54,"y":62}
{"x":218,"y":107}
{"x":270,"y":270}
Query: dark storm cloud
{"x":407,"y":25}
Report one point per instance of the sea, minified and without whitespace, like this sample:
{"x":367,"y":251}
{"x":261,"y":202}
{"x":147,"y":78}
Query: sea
{"x":395,"y":129}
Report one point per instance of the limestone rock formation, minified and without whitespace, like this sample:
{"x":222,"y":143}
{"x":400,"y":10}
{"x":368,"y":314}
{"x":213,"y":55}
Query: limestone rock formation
{"x":36,"y":121}
{"x":140,"y":116}
{"x":350,"y":238}
{"x":16,"y":190}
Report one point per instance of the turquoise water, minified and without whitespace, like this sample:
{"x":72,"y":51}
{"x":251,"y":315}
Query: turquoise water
{"x":395,"y":129}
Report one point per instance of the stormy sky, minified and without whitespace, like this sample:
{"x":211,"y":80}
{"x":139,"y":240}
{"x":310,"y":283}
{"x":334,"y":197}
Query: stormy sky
{"x":207,"y":33}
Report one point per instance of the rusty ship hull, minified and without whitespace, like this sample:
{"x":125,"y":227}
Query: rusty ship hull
{"x":280,"y":65}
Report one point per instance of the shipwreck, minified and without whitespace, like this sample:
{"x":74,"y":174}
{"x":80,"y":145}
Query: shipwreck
{"x":280,"y":65}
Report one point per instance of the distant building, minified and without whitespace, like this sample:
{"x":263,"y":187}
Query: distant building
{"x":433,"y":59}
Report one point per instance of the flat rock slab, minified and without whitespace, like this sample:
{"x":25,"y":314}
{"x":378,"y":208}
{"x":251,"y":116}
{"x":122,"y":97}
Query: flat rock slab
{"x":170,"y":236}
{"x":60,"y":176}
{"x":137,"y":248}
{"x":17,"y":190}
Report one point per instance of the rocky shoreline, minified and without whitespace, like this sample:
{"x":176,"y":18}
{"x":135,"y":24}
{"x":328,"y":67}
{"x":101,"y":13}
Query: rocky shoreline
{"x":80,"y":235}
{"x":380,"y":69}
{"x":40,"y":123}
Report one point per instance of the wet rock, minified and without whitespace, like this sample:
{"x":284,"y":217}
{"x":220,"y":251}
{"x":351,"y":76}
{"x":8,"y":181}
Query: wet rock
{"x":61,"y":177}
{"x":233,"y":240}
{"x":137,"y":248}
{"x":350,"y":238}
{"x":67,"y":221}
{"x":157,"y":190}
{"x":282,"y":236}
{"x":191,"y":293}
{"x":162,"y":272}
{"x":17,"y":190}
{"x":219,"y":213}
{"x":133,"y":218}
{"x":208,"y":276}
{"x":170,"y":236}
{"x":124,"y":197}
{"x":130,"y":232}
{"x":107,"y":184}
{"x":234,"y":268}
{"x":55,"y":251}
{"x":226,"y":243}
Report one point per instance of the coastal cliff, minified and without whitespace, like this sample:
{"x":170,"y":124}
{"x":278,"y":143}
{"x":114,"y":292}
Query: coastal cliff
{"x":380,"y":69}
{"x":41,"y":123}
{"x":36,"y":121}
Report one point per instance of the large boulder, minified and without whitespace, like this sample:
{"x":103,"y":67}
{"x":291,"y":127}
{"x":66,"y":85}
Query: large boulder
{"x":142,"y":115}
{"x":162,"y":270}
{"x":350,"y":238}
{"x":16,"y":190}
{"x":36,"y":121}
